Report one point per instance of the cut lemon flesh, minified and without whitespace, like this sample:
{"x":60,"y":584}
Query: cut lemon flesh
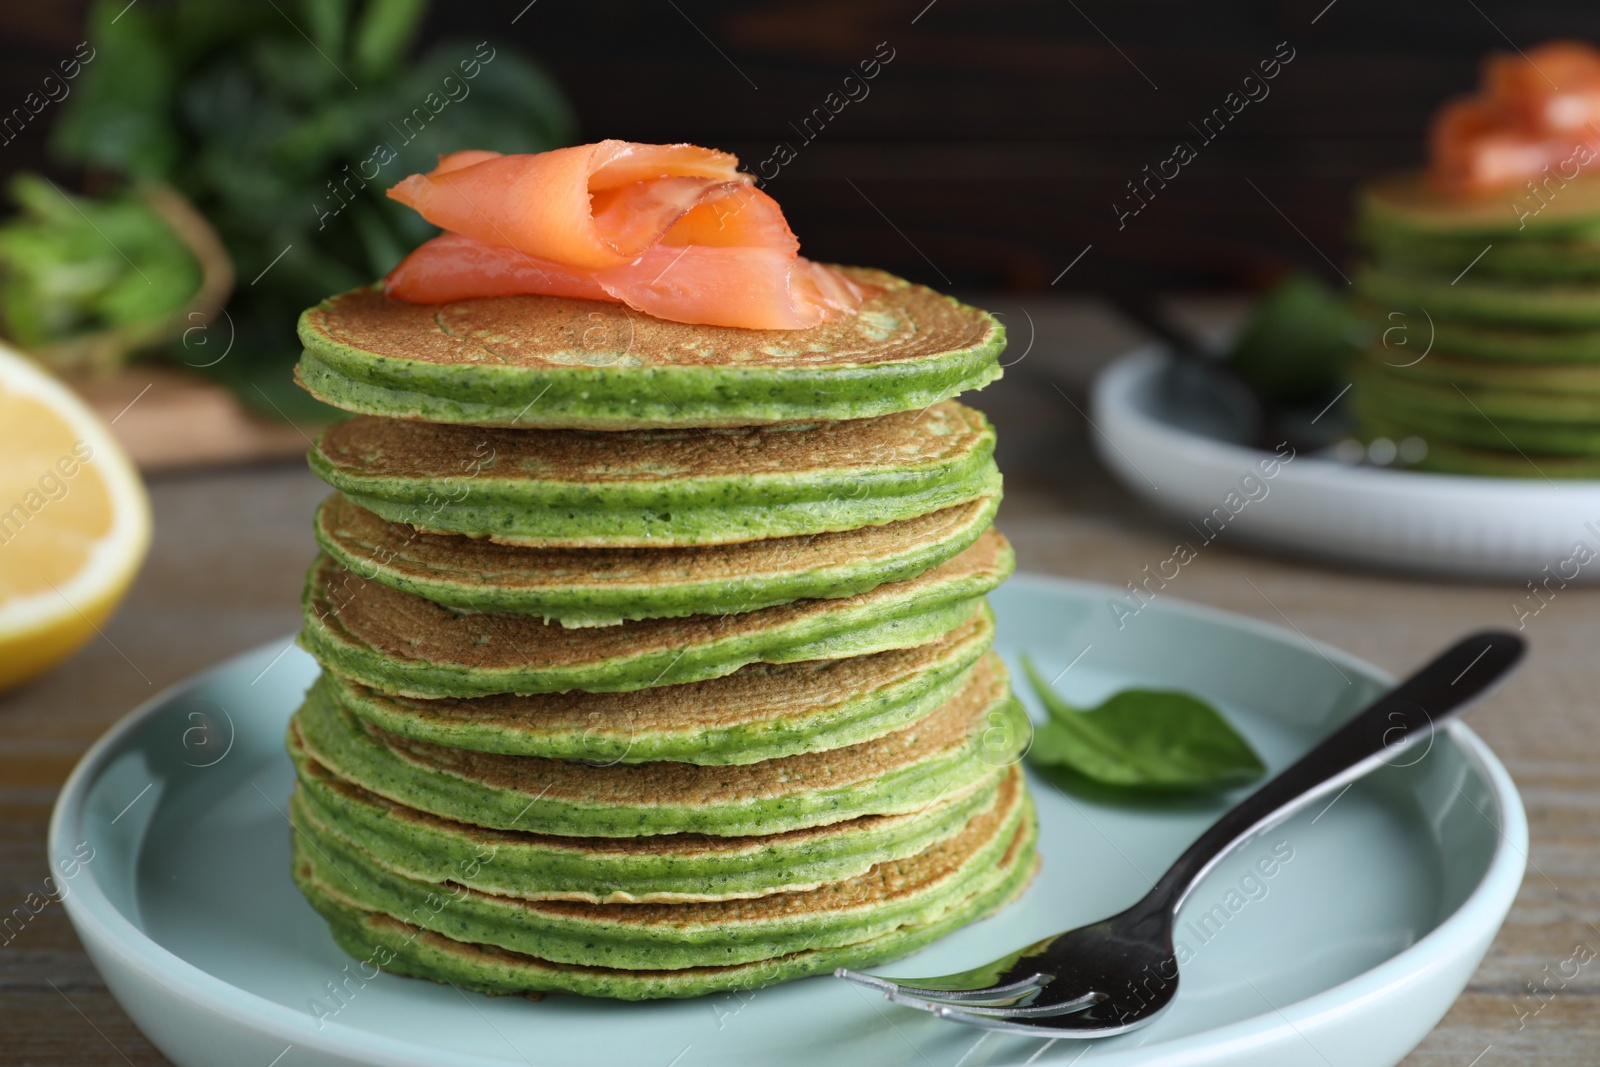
{"x":74,"y":520}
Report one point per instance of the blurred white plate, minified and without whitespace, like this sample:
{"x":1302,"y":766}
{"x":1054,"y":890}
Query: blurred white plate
{"x":1448,"y":524}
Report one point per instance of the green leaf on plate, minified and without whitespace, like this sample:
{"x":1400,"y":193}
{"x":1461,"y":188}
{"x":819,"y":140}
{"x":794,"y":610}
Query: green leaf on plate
{"x":1298,"y":343}
{"x":1143,"y":738}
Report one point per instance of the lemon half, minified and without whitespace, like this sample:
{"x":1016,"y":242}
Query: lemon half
{"x":74,"y":520}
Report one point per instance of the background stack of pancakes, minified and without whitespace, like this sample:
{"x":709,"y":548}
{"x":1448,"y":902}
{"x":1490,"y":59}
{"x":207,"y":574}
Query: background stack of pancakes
{"x":656,"y":659}
{"x":1486,"y":327}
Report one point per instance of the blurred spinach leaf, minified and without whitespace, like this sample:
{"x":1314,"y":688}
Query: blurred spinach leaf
{"x":83,"y":280}
{"x":284,"y":124}
{"x":1298,"y":343}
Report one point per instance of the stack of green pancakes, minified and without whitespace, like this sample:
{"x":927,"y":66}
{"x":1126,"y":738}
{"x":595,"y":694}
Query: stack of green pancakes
{"x":656,"y":658}
{"x":1485,"y":327}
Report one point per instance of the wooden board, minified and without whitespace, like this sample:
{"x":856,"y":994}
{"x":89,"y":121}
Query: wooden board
{"x":172,"y":419}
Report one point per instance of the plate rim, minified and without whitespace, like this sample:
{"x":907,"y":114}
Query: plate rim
{"x":105,"y":928}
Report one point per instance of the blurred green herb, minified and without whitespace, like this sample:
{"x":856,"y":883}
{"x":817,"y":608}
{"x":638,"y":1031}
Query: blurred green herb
{"x":1143,"y":739}
{"x":62,"y":275}
{"x":284,"y":124}
{"x":1297,"y":344}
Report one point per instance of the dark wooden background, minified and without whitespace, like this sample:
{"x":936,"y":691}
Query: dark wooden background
{"x":991,"y":148}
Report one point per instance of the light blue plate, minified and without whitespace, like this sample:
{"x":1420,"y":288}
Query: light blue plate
{"x":1375,"y":912}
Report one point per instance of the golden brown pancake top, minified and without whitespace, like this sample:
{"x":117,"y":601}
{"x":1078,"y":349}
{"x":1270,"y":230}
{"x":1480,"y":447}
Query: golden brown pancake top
{"x":684,"y":844}
{"x":882,"y":884}
{"x":403,"y":626}
{"x":898,"y":321}
{"x":404,"y":549}
{"x":370,"y":446}
{"x":685,"y":784}
{"x":755,"y":694}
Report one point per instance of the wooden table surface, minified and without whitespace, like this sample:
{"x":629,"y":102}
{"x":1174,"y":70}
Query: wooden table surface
{"x":231,"y":546}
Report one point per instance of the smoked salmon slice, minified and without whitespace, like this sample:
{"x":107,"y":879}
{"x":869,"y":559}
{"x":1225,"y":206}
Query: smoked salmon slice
{"x":1535,"y":112}
{"x":674,"y":231}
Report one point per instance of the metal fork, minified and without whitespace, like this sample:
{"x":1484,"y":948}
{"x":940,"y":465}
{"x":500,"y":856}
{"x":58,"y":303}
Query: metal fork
{"x":1120,"y":973}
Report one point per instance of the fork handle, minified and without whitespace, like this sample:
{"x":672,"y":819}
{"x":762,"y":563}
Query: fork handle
{"x":1398,"y":720}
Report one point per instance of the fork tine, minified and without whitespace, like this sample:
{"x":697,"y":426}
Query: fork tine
{"x":871,"y":981}
{"x":997,"y":994}
{"x":1025,"y":1011}
{"x":999,"y":1008}
{"x":1065,"y":1027}
{"x":894,"y":988}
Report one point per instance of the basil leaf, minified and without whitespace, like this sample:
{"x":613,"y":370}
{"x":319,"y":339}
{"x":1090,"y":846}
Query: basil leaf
{"x":1143,"y":738}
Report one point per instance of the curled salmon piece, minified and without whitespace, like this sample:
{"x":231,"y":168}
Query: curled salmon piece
{"x":674,"y":231}
{"x":1555,"y":88}
{"x":1534,"y":112}
{"x":1474,"y":152}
